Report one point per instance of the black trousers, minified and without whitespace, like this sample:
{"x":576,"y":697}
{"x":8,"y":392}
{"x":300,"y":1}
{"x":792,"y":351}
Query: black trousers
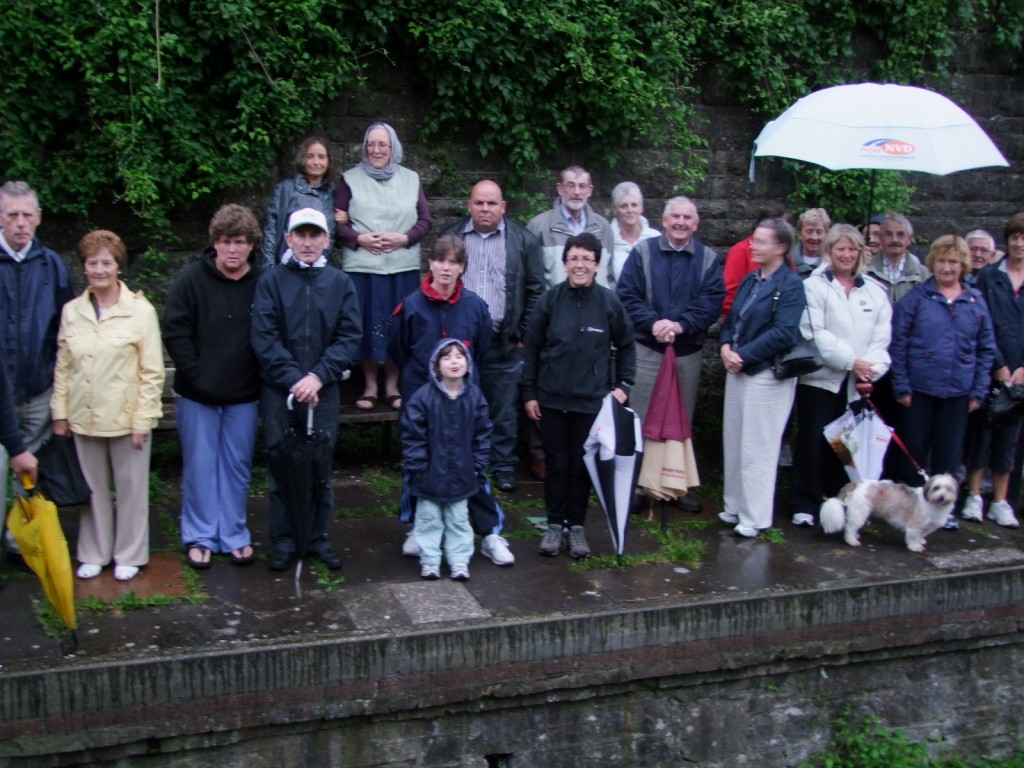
{"x":566,"y":484}
{"x":817,"y":472}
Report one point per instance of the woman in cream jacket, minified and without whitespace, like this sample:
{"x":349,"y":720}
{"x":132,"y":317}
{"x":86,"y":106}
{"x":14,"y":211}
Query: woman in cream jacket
{"x":106,"y":392}
{"x":849,"y":317}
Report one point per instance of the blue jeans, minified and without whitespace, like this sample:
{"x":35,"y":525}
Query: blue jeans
{"x":276,"y":421}
{"x":216,"y":444}
{"x":499,"y":376}
{"x":436,"y":521}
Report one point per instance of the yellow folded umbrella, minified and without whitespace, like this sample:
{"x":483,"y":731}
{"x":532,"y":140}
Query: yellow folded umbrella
{"x":34,"y":523}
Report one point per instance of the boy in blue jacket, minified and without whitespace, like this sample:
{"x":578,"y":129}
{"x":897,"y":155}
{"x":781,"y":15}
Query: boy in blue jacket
{"x":446,"y":442}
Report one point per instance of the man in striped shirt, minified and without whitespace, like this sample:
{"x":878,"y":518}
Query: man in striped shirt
{"x":505,"y":267}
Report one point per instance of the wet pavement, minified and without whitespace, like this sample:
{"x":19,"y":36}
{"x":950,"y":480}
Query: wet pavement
{"x":229,"y":607}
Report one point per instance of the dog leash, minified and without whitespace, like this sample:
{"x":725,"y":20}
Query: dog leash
{"x":897,"y":440}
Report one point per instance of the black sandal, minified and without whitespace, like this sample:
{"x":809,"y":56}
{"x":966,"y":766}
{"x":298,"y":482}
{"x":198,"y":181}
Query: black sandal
{"x":240,"y":559}
{"x":205,"y":556}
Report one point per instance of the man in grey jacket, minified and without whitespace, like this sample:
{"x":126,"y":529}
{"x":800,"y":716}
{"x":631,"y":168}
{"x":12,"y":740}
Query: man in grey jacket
{"x":572,"y":215}
{"x":895,"y":268}
{"x":506,"y":268}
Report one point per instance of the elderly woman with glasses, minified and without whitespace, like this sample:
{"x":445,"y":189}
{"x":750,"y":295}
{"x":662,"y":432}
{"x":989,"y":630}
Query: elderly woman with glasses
{"x":388,"y":217}
{"x":764,"y":321}
{"x":568,"y":370}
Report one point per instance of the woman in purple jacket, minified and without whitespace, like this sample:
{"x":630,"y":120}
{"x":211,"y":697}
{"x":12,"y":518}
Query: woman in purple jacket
{"x":942,"y":351}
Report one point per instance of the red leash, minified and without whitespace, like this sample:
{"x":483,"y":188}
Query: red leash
{"x":896,"y":438}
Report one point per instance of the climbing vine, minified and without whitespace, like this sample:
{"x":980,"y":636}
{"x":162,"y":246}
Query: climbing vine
{"x":163,"y":104}
{"x":160,"y":104}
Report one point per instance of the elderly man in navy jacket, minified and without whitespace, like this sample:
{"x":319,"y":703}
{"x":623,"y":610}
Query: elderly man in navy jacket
{"x":672,"y":289}
{"x":34,"y":286}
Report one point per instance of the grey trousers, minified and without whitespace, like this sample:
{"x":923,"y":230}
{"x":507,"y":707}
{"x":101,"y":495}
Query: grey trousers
{"x":647,"y":364}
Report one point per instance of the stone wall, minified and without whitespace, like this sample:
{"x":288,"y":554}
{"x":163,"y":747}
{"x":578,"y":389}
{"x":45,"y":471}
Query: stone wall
{"x":987,"y":88}
{"x":748,"y":680}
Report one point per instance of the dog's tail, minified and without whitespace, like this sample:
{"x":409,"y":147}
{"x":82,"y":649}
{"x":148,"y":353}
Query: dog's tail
{"x":832,"y":515}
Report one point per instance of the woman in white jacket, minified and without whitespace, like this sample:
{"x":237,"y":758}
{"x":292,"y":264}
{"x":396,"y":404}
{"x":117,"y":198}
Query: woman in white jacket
{"x":850,"y":319}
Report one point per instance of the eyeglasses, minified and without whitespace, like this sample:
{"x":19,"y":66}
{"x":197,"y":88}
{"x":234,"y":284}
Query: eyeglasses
{"x":574,"y":187}
{"x":979,"y":249}
{"x":581,"y":260}
{"x":378,"y":145}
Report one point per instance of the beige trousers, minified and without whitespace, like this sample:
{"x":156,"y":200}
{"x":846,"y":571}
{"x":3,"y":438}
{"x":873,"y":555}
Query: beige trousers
{"x":102,"y":536}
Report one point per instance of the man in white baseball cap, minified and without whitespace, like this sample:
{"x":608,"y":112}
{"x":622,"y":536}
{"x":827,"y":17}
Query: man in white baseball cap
{"x":306,"y":328}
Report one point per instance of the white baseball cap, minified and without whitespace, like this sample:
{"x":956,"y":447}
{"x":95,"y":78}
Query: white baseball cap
{"x":310,"y":216}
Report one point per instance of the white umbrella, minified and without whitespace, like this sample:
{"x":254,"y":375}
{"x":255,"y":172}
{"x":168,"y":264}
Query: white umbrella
{"x":860,"y":440}
{"x":879,"y":127}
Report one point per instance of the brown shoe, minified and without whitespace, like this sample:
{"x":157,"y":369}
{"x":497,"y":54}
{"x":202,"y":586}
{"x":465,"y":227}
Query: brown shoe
{"x":539,"y":469}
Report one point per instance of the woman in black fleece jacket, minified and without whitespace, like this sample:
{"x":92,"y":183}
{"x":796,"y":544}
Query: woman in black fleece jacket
{"x":568,"y":369}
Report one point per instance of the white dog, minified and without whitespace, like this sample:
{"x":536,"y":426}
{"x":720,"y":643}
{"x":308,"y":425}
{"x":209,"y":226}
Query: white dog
{"x":918,"y":511}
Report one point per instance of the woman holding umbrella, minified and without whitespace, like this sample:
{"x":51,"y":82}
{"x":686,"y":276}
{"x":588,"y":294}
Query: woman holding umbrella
{"x":764,"y":321}
{"x":850,"y":319}
{"x":107,"y":388}
{"x":568,"y":370}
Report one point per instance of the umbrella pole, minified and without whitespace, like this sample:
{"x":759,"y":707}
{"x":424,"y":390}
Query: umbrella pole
{"x":664,"y":516}
{"x":871,"y":196}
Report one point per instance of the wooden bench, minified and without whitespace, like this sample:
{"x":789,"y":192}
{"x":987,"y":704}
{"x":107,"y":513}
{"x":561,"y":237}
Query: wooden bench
{"x":349,"y":414}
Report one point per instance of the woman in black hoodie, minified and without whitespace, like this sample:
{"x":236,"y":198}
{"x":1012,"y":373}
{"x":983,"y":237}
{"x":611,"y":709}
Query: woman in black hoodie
{"x":217,"y":378}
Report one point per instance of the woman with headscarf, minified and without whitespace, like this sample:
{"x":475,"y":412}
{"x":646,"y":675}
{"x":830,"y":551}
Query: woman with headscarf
{"x":388,"y":216}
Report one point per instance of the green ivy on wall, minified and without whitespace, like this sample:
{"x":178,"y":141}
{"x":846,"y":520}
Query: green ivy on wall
{"x":166,"y":103}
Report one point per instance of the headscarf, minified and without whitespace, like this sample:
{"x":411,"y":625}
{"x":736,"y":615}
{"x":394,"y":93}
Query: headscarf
{"x":382,"y":174}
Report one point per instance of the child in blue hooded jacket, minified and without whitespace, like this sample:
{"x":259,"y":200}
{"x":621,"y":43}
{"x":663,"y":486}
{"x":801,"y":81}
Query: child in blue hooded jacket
{"x":446,"y":442}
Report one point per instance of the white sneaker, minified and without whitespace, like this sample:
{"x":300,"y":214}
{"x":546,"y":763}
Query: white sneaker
{"x":89,"y":571}
{"x":1002,"y":514}
{"x":430,"y":572}
{"x":972,"y":509}
{"x":804,"y":519}
{"x":496,"y":548}
{"x":729,"y":518}
{"x":410,"y":547}
{"x":125,"y":572}
{"x":746,"y":531}
{"x":460,"y":572}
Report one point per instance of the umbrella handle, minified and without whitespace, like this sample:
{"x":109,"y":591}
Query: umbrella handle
{"x":26,"y":481}
{"x":290,"y":402}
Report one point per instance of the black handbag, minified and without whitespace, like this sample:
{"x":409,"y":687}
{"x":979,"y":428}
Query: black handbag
{"x":60,"y":475}
{"x":802,"y":358}
{"x":1004,"y":404}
